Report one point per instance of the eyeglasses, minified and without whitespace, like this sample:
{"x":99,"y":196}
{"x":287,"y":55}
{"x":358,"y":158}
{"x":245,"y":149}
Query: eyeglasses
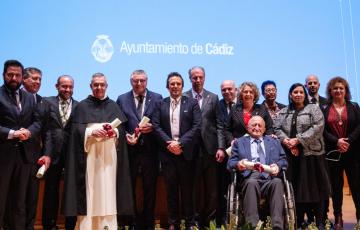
{"x":138,"y":81}
{"x":333,"y":155}
{"x":270,"y":90}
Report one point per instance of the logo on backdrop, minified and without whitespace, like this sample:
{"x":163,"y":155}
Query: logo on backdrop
{"x":102,"y":48}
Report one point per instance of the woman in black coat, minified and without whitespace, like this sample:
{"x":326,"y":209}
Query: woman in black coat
{"x":342,"y":134}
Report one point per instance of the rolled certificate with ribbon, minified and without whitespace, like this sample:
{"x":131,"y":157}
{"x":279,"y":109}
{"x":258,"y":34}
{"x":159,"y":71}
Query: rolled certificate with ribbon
{"x":228,"y":151}
{"x":110,"y":127}
{"x":258,"y":167}
{"x":143,"y":122}
{"x":40,"y":173}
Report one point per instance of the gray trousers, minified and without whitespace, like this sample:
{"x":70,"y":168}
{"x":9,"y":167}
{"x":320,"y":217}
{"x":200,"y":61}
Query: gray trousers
{"x":256,"y":187}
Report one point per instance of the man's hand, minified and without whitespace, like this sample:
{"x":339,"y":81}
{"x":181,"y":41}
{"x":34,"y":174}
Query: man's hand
{"x":275,"y":169}
{"x":131,"y":139}
{"x":147,"y":128}
{"x":241,"y":166}
{"x":46,"y":161}
{"x":22,"y":134}
{"x":343,"y":145}
{"x":220,"y":155}
{"x":99,"y":133}
{"x":174,"y":147}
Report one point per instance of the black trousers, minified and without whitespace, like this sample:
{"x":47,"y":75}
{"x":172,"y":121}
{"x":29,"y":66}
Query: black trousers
{"x":205,"y":189}
{"x":148,"y":166}
{"x":14,"y":172}
{"x":352,"y":169}
{"x":223,"y":177}
{"x":32,"y":197}
{"x":52,"y":199}
{"x":178,"y":174}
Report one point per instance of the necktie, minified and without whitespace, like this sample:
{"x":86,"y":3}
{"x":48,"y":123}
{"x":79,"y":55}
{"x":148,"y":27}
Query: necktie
{"x":140,"y":99}
{"x":16,"y":97}
{"x":198,"y":98}
{"x":313,"y":100}
{"x":230,"y":104}
{"x":260,"y":151}
{"x":63,"y":110}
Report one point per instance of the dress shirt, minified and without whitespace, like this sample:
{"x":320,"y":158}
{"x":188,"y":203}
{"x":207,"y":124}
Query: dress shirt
{"x":254,"y":153}
{"x":137,"y":101}
{"x":68,"y":110}
{"x":175,"y":117}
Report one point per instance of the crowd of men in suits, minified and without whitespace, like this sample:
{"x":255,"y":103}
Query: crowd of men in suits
{"x":185,"y":134}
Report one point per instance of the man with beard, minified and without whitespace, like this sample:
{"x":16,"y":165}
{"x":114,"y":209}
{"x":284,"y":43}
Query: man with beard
{"x":32,"y":83}
{"x":312,"y":85}
{"x":210,"y":150}
{"x":60,"y":108}
{"x":19,"y":124}
{"x":97,"y":178}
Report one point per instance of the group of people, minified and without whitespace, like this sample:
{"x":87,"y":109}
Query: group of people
{"x":100,"y":147}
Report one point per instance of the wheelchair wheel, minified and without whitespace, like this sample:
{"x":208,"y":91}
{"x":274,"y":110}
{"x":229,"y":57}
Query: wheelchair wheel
{"x":233,"y":205}
{"x":290,"y":210}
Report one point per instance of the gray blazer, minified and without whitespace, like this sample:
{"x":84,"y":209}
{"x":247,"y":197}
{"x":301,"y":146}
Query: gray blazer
{"x":212,"y":127}
{"x":309,"y":127}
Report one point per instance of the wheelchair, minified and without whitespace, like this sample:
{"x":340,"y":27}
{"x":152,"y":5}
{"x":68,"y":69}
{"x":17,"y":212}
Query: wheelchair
{"x":235,"y":214}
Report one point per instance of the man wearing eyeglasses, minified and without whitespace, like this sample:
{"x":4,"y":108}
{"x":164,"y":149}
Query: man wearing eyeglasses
{"x":269,"y":92}
{"x":143,"y":154}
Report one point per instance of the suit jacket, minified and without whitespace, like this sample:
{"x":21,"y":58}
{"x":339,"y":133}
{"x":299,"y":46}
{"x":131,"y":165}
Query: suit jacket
{"x":212,"y":128}
{"x":11,"y":120}
{"x":241,"y":150}
{"x":127,"y":105}
{"x":353,"y":128}
{"x":190,"y":125}
{"x":55,"y":134}
{"x":236,"y":127}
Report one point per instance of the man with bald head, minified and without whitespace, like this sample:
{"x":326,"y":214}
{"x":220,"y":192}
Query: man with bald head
{"x":60,"y":108}
{"x":312,"y":85}
{"x":264,"y":150}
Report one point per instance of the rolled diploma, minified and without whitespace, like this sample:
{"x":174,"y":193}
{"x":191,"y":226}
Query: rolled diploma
{"x":40,"y":173}
{"x":228,"y":151}
{"x":250,"y":165}
{"x":115,"y":123}
{"x":144,"y":121}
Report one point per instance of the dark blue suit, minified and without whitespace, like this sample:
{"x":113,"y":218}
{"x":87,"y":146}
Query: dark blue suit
{"x":178,"y":170}
{"x":16,"y":156}
{"x":254,"y":185}
{"x":144,"y":154}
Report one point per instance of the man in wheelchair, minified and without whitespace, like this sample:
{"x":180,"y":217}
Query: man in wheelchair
{"x":259,"y":159}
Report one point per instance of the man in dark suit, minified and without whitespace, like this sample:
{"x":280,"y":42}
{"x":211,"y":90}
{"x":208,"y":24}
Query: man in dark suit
{"x":32,"y":83}
{"x":312,"y":85}
{"x":228,"y":92}
{"x":19,"y":125}
{"x":211,"y":148}
{"x":177,"y":123}
{"x":265,"y":150}
{"x":143,"y":154}
{"x":60,"y":108}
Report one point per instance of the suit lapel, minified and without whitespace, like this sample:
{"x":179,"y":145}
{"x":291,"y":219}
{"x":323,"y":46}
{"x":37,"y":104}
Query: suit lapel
{"x":246,"y":142}
{"x":205,"y":99}
{"x":166,"y":112}
{"x":147,"y":101}
{"x":57,"y":110}
{"x":267,"y":149}
{"x":131,"y":101}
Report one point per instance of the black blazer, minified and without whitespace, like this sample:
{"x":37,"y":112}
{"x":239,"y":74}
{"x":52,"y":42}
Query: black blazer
{"x":353,"y":128}
{"x":127,"y":105}
{"x":190,"y":125}
{"x":10,"y":119}
{"x":55,"y":134}
{"x":235,"y":126}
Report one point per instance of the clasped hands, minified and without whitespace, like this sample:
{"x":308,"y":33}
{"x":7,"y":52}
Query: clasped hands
{"x":174,"y":147}
{"x":241,"y":166}
{"x":104,"y":133}
{"x":343,"y":145}
{"x":291,"y":144}
{"x":22,"y":134}
{"x":132,"y":139}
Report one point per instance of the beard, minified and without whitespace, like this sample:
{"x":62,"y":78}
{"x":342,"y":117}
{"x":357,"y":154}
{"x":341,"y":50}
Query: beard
{"x":13,"y":85}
